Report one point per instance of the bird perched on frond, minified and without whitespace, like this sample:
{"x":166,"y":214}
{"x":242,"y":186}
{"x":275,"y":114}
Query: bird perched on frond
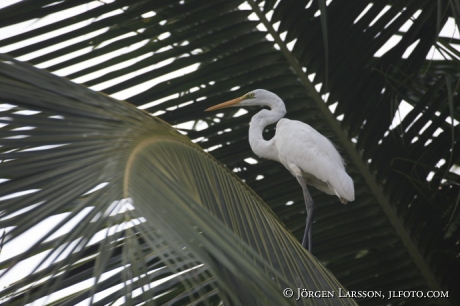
{"x":307,"y":154}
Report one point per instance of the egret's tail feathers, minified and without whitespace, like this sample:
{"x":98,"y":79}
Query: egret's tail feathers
{"x":343,"y":187}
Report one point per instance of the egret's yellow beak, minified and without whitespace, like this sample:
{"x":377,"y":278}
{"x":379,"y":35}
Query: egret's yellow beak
{"x":225,"y":104}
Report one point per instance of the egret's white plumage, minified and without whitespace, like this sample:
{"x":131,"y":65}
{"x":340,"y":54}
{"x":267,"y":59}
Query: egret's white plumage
{"x":307,"y":154}
{"x":316,"y":156}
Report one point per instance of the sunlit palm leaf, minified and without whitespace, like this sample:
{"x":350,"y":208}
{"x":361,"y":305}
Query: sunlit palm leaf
{"x":180,"y":208}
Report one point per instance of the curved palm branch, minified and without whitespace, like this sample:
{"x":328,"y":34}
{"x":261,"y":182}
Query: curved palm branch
{"x":166,"y":221}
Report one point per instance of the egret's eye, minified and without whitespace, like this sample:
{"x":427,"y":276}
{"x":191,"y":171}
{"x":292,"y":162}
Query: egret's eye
{"x":250,"y":95}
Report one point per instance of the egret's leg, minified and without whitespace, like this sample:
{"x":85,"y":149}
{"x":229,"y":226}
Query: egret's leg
{"x":310,"y":206}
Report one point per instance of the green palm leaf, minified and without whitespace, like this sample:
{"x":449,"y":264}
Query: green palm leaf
{"x":184,"y":216}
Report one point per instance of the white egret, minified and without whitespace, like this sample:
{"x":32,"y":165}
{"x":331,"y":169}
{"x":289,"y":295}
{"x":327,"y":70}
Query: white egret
{"x":307,"y":154}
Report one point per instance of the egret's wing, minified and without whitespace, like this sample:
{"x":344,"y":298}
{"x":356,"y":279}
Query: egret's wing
{"x":302,"y":145}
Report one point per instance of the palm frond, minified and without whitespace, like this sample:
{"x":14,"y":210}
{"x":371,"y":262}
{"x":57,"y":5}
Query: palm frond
{"x":164,"y":210}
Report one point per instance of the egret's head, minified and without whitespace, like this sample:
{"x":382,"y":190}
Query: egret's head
{"x":258,"y":97}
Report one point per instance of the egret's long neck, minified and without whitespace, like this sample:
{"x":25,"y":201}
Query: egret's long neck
{"x":260,"y":146}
